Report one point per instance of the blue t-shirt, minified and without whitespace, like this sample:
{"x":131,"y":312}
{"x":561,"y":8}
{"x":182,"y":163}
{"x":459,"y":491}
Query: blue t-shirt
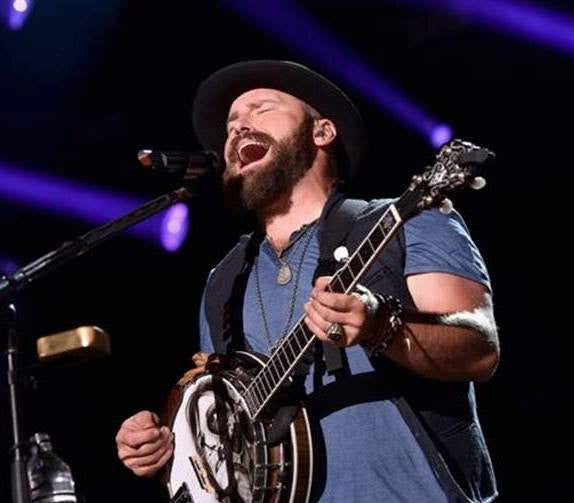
{"x":367,"y":452}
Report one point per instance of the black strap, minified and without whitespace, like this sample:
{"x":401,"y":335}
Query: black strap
{"x":224,"y":295}
{"x":338,"y":223}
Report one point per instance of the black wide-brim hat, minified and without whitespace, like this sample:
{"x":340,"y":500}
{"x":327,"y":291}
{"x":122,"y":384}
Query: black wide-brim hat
{"x":216,"y":94}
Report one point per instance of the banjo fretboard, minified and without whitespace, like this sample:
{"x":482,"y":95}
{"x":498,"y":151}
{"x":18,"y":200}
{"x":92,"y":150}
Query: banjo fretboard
{"x":289,"y":350}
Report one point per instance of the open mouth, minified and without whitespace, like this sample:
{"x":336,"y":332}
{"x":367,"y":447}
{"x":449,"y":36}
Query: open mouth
{"x":250,"y":151}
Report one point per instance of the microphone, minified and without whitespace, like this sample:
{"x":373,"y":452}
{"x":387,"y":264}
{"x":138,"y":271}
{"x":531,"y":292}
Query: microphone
{"x":188,"y":164}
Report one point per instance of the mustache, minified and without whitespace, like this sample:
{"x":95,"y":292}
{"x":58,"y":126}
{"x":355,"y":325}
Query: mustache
{"x":252,"y":135}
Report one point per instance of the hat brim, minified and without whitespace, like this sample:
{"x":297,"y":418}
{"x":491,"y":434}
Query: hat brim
{"x":216,"y":94}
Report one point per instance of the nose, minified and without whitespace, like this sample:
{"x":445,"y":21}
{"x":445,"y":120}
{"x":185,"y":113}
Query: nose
{"x":240,"y":125}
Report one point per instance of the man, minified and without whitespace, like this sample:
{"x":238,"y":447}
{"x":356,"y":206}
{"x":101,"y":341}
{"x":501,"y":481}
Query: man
{"x":396,"y":413}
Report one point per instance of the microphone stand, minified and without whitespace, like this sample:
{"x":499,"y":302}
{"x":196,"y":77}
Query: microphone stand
{"x":18,"y":475}
{"x":20,"y":279}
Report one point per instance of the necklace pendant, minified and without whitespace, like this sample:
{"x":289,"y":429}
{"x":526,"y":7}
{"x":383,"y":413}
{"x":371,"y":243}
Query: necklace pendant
{"x":284,"y":275}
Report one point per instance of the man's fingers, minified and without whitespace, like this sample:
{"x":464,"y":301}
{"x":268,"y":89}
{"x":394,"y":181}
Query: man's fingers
{"x":322,"y":282}
{"x":316,"y":329}
{"x":150,"y":459}
{"x":336,"y":301}
{"x":130,"y":458}
{"x":140,"y":428}
{"x":135,"y":439}
{"x":126,"y":451}
{"x":143,"y":419}
{"x":150,"y":470}
{"x":144,"y":446}
{"x":324,"y":316}
{"x":190,"y":375}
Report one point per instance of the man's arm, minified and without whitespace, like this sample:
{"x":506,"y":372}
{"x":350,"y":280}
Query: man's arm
{"x":461,"y":343}
{"x":458,"y":342}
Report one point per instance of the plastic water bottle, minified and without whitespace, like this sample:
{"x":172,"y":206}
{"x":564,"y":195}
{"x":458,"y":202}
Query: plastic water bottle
{"x":49,"y":477}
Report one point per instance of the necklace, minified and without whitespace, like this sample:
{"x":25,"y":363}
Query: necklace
{"x":284,"y":274}
{"x":295,"y":287}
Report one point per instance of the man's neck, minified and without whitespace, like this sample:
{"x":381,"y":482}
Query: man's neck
{"x":303,"y":206}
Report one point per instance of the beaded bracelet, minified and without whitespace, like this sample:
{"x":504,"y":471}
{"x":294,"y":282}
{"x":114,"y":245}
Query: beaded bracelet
{"x":390,"y":311}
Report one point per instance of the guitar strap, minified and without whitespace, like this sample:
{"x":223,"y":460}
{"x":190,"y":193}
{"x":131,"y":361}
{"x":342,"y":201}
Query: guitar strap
{"x":338,"y":222}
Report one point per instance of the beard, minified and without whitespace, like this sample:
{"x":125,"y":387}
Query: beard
{"x":290,"y":159}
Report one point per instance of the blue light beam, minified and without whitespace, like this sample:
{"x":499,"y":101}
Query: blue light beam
{"x":528,"y":21}
{"x":8,"y":265}
{"x":15,"y":12}
{"x":294,"y":27}
{"x":93,"y":206}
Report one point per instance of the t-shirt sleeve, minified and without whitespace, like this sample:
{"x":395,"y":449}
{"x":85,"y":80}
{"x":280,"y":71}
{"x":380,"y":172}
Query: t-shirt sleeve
{"x":205,"y":342}
{"x":442,"y":243}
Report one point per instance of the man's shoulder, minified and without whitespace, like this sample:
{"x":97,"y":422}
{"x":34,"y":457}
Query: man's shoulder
{"x":374,"y":207}
{"x":425,"y":218}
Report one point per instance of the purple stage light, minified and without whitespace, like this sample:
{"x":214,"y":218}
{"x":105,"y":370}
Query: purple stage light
{"x":525,"y":20}
{"x":284,"y":20}
{"x":174,"y":227}
{"x":441,"y":134}
{"x":20,"y":5}
{"x":7,"y":264}
{"x":19,"y":11}
{"x":90,"y":205}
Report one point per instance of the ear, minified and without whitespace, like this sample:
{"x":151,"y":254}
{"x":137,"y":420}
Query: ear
{"x":324,"y":132}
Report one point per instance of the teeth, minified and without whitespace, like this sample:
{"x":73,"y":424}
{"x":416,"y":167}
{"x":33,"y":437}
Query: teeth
{"x":246,"y":141}
{"x":250,"y":151}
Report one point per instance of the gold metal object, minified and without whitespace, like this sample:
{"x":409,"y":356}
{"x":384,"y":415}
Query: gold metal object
{"x":85,"y":342}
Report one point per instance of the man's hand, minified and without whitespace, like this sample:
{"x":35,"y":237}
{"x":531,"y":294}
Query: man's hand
{"x":325,"y":308}
{"x":143,"y":445}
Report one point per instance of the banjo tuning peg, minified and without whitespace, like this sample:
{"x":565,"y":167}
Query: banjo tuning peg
{"x":446,"y":206}
{"x":478,"y":183}
{"x":341,"y":254}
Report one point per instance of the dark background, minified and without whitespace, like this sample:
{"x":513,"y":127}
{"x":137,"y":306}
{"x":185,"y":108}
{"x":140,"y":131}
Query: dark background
{"x":86,"y":84}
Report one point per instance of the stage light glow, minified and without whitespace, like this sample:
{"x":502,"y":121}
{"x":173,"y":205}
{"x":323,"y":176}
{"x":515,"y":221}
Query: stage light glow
{"x":440,"y":134}
{"x":7,"y":264}
{"x":20,"y":5}
{"x":93,"y":206}
{"x":525,"y":20}
{"x":284,"y":20}
{"x":17,"y":13}
{"x":174,"y":227}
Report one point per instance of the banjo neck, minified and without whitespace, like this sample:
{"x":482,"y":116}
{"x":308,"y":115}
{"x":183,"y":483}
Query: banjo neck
{"x":291,"y":348}
{"x":456,"y":166}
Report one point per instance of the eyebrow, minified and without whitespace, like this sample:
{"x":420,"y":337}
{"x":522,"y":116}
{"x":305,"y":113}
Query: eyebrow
{"x":251,"y":106}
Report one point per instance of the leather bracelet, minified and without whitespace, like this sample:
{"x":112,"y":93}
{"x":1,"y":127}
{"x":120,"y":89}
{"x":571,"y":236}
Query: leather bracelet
{"x":390,"y":311}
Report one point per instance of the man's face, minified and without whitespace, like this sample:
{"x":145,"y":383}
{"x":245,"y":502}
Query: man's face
{"x":269,"y":147}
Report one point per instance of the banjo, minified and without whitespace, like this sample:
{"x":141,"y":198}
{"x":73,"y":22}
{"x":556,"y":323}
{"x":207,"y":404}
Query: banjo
{"x":225,"y":449}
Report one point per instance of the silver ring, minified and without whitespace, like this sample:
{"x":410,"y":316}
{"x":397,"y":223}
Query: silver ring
{"x":335,"y":332}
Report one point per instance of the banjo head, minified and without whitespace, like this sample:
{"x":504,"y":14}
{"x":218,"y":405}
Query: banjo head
{"x":222,"y":454}
{"x":214,"y":452}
